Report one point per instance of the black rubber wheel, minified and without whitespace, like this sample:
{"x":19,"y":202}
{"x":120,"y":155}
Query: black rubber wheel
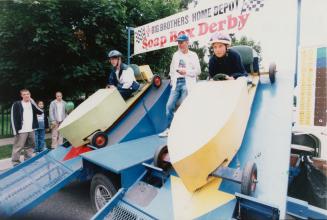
{"x":249,"y":179}
{"x":158,"y":157}
{"x":99,"y":139}
{"x":101,"y":191}
{"x":219,"y":77}
{"x":156,"y":81}
{"x":272,"y":73}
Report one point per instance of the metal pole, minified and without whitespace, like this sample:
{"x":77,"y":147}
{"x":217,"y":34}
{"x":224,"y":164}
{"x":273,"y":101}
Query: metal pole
{"x":298,"y":35}
{"x":129,"y":29}
{"x":128,"y":46}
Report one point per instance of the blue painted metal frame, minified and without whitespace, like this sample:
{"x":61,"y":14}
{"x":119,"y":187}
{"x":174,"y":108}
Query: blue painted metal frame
{"x":271,"y":117}
{"x":103,"y":212}
{"x":266,"y":95}
{"x":67,"y":180}
{"x":125,"y":159}
{"x":152,"y":120}
{"x":227,"y":173}
{"x":251,"y":208}
{"x":301,"y":209}
{"x":38,"y":178}
{"x":23,"y":164}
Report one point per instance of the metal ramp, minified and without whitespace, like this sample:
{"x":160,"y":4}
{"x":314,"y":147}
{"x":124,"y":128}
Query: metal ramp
{"x":30,"y":183}
{"x":119,"y":209}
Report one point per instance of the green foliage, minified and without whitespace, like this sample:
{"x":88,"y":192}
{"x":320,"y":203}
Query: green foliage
{"x":143,"y":12}
{"x":51,"y":45}
{"x":201,"y":52}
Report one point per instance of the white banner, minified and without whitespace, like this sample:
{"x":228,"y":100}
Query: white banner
{"x":229,"y":16}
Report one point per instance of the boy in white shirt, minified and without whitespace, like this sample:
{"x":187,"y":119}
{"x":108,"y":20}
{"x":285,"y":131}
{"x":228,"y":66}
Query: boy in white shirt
{"x":184,"y":69}
{"x":122,"y":76}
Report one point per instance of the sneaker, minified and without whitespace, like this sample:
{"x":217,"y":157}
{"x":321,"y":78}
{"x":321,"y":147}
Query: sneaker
{"x":164,"y":133}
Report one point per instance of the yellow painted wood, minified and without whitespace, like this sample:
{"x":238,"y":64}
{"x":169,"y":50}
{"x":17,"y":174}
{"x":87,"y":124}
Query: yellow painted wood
{"x":146,"y":73}
{"x":208,"y":129}
{"x":96,"y":113}
{"x":190,"y":205}
{"x":99,"y":111}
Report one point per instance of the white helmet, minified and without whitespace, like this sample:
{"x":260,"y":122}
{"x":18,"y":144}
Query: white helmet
{"x":114,"y":53}
{"x":220,"y":38}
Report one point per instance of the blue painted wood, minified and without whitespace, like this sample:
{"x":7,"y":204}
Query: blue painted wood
{"x":267,"y":142}
{"x":145,"y":118}
{"x":33,"y":182}
{"x":119,"y":157}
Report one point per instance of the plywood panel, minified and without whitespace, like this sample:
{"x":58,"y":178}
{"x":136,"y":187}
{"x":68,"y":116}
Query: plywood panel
{"x":97,"y":112}
{"x":207,"y":129}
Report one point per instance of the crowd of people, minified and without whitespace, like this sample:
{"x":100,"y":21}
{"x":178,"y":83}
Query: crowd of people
{"x":30,"y":121}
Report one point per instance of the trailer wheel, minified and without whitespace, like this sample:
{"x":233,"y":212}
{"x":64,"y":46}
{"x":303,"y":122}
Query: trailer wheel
{"x":158,"y":159}
{"x":249,"y":179}
{"x":99,"y":139}
{"x":272,"y":72}
{"x":101,"y":191}
{"x":156,"y":81}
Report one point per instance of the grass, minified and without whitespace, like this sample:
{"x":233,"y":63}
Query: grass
{"x":5,"y":130}
{"x":5,"y":151}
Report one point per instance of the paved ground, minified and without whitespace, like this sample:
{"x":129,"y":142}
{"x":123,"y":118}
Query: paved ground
{"x":5,"y":164}
{"x":72,"y":202}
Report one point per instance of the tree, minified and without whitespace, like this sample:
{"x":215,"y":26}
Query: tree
{"x":52,"y":45}
{"x":201,"y":52}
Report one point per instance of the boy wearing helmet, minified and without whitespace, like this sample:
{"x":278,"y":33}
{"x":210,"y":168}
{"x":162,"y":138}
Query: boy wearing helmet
{"x":225,"y":60}
{"x":122,"y":76}
{"x":184,"y":68}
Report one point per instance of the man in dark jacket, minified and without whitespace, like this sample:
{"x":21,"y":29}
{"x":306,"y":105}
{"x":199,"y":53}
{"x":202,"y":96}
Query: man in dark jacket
{"x":24,"y":122}
{"x":225,"y":61}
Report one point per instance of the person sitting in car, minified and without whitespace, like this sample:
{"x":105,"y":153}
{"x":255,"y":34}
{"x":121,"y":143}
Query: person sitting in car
{"x":225,"y":62}
{"x":122,"y":76}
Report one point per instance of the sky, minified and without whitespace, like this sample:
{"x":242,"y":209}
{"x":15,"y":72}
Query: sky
{"x":275,"y":28}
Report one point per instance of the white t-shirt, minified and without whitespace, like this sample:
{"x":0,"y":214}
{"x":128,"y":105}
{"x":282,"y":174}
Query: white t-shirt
{"x":27,"y":125}
{"x":127,"y":77}
{"x":40,"y":118}
{"x":59,"y":106}
{"x":190,"y":62}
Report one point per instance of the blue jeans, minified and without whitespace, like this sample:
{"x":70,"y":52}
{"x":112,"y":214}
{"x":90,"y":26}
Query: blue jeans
{"x":175,"y":98}
{"x":39,"y":140}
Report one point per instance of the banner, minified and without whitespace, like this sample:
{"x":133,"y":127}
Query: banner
{"x":312,"y":87}
{"x":228,"y":16}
